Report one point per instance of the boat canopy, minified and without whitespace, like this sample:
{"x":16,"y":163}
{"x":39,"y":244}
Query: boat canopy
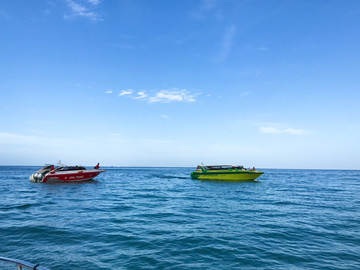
{"x":222,"y":167}
{"x":48,"y":167}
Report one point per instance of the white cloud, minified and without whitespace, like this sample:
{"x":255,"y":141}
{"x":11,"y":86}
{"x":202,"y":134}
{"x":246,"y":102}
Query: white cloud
{"x":78,"y":8}
{"x":141,"y":95}
{"x":167,"y":96}
{"x":162,"y":96}
{"x":82,"y":9}
{"x":277,"y":130}
{"x":125,"y":92}
{"x":108,"y":92}
{"x":164,"y":116}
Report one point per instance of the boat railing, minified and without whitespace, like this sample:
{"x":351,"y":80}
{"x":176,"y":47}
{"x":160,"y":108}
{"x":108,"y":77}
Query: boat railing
{"x":20,"y":264}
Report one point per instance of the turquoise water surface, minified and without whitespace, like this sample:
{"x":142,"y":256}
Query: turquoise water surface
{"x":159,"y":218}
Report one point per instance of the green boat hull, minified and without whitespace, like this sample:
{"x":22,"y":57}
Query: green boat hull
{"x":228,"y":175}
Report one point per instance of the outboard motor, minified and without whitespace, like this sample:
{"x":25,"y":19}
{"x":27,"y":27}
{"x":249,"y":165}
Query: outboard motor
{"x":39,"y":175}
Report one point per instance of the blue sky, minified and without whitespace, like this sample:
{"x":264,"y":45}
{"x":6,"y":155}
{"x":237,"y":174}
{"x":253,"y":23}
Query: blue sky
{"x":271,"y":84}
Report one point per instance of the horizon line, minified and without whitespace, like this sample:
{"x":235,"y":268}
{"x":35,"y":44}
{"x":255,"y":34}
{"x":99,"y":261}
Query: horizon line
{"x":138,"y":166}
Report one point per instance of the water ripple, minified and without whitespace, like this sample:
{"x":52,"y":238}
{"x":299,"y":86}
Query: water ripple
{"x":159,"y":218}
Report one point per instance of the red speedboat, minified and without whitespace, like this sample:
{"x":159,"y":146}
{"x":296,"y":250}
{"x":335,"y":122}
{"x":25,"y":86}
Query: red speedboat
{"x":62,"y":173}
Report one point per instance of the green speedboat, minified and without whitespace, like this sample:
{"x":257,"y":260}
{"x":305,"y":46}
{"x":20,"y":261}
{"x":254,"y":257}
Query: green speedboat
{"x":225,"y":172}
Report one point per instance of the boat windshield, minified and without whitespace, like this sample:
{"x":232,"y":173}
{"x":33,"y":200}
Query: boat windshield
{"x":47,"y":167}
{"x":70,"y":168}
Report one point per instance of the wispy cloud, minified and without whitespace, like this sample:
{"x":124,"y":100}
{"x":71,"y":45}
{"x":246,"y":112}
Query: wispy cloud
{"x":206,"y":8}
{"x":250,"y":72}
{"x":84,"y":9}
{"x":295,"y":131}
{"x":208,"y":4}
{"x":141,"y":95}
{"x":94,"y":2}
{"x":172,"y":95}
{"x":278,"y":130}
{"x":123,"y":46}
{"x":156,"y":141}
{"x":162,"y":96}
{"x":226,"y":43}
{"x":270,"y":130}
{"x":256,"y":49}
{"x":245,"y":94}
{"x":108,"y":92}
{"x":117,"y":137}
{"x":125,"y":92}
{"x":20,"y":139}
{"x":261,"y":49}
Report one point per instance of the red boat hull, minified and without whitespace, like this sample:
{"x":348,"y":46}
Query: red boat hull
{"x":71,"y":176}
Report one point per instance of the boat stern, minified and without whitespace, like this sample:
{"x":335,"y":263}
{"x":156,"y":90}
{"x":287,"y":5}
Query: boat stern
{"x":39,"y":175}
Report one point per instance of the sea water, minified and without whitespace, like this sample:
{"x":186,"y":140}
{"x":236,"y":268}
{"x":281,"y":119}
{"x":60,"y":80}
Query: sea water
{"x":159,"y":218}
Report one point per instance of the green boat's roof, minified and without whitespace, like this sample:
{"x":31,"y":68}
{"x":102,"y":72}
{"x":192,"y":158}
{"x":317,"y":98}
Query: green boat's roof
{"x":221,"y":167}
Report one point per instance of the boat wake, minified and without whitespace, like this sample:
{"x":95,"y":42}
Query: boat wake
{"x":164,"y":176}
